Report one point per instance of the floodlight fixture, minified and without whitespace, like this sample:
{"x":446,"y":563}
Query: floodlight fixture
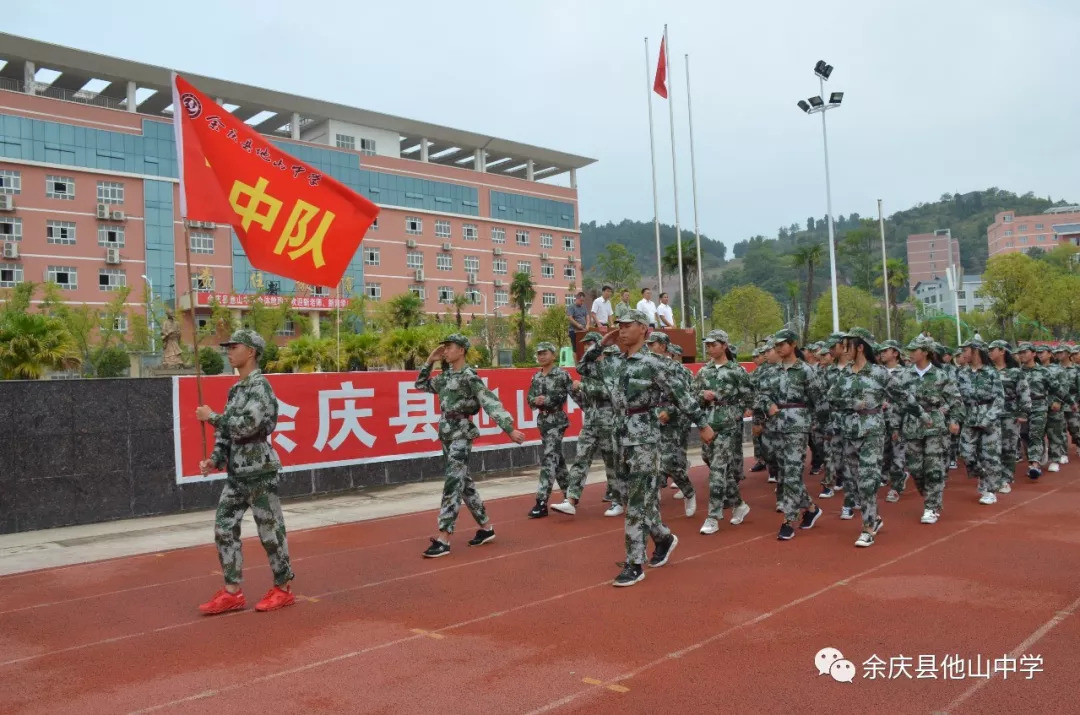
{"x":823,"y":70}
{"x":816,"y":102}
{"x":836,"y":98}
{"x":805,"y":106}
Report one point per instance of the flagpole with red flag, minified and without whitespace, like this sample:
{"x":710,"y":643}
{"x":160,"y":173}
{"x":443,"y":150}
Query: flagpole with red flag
{"x":663,"y":87}
{"x":649,"y":86}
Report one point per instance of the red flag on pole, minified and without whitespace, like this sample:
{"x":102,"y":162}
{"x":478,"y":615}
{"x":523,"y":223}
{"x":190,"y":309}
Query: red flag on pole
{"x":660,"y":83}
{"x":291,"y":219}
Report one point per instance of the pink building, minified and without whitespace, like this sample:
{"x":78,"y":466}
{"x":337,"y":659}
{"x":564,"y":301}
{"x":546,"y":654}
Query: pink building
{"x":89,"y":196}
{"x":929,"y":254}
{"x":1011,"y":233}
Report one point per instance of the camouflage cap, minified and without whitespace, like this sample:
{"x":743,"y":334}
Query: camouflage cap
{"x":890,"y":344}
{"x":1074,"y":349}
{"x":1020,"y":347}
{"x":592,"y":337}
{"x":246,"y":336}
{"x":922,"y":342}
{"x":550,"y":347}
{"x":1042,"y":348}
{"x":770,"y":344}
{"x":1001,"y":345}
{"x":785,"y":335}
{"x":833,"y":340}
{"x":1061,"y":348}
{"x":657,"y":337}
{"x":633,"y":316}
{"x":972,"y":343}
{"x":717,"y":336}
{"x":673,"y":348}
{"x":457,"y":339}
{"x":612,"y":350}
{"x":862,"y":334}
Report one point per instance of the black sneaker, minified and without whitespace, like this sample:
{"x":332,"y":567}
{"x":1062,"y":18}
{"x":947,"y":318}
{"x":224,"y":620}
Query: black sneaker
{"x":787,"y":533}
{"x":539,"y":511}
{"x":809,"y":518}
{"x":663,"y":551}
{"x":952,"y":464}
{"x":759,"y":466}
{"x":1034,"y":472}
{"x":877,"y":526}
{"x":437,"y":549}
{"x":482,"y":537}
{"x":630,"y":575}
{"x":607,"y":497}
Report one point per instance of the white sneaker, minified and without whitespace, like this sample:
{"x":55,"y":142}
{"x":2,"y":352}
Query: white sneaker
{"x":565,"y":507}
{"x":711,"y":526}
{"x":679,"y":495}
{"x":1064,"y":460}
{"x":739,"y":513}
{"x":1005,"y":489}
{"x":847,"y":513}
{"x":779,"y":509}
{"x":615,"y":510}
{"x":772,"y":480}
{"x":929,"y":516}
{"x":1054,"y":467}
{"x":865,"y":539}
{"x":690,"y":506}
{"x":988,"y":498}
{"x":893,"y":496}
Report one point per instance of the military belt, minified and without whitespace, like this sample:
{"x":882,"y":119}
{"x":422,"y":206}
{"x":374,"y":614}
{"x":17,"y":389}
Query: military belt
{"x":866,"y":411}
{"x":550,"y":410}
{"x":639,"y":410}
{"x":456,"y":415}
{"x":1038,"y":397}
{"x":250,"y":440}
{"x":791,"y":405}
{"x":600,"y":403}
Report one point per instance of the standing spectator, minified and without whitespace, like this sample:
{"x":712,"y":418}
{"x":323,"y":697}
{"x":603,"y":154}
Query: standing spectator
{"x":623,"y":306}
{"x":646,"y":306}
{"x":579,"y":317}
{"x":601,"y":308}
{"x":664,"y":317}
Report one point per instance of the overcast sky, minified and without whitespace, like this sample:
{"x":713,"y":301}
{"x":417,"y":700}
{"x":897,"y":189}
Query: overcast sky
{"x":944,"y":96}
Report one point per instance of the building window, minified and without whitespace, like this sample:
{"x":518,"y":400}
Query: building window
{"x":373,"y":291}
{"x":10,"y":182}
{"x":547,"y":270}
{"x":931,"y":254}
{"x":442,"y":229}
{"x":569,"y":272}
{"x":472,"y":264}
{"x":63,"y":276}
{"x":202,"y":242}
{"x":1022,"y":227}
{"x":502,"y":299}
{"x":110,"y":235}
{"x":931,"y":244}
{"x":10,"y":275}
{"x":962,"y":295}
{"x":110,"y":192}
{"x":498,"y":235}
{"x":444,"y":262}
{"x":498,"y":266}
{"x":367,"y":147}
{"x":371,"y":257}
{"x":111,"y":279}
{"x":344,"y":141}
{"x":524,"y":267}
{"x":414,"y":259}
{"x":120,"y":324}
{"x":414,"y":226}
{"x":546,"y":240}
{"x":473,"y":296}
{"x":469,"y":232}
{"x":1009,"y":233}
{"x":1023,"y":239}
{"x":59,"y":187}
{"x":287,"y":329}
{"x":1042,"y":238}
{"x":446,"y":294}
{"x":568,"y":243}
{"x":549,"y":300}
{"x":569,"y":299}
{"x":419,"y":292}
{"x":375,"y":224}
{"x":202,"y":283}
{"x":1007,"y":218}
{"x":522,"y":238}
{"x":10,"y":229}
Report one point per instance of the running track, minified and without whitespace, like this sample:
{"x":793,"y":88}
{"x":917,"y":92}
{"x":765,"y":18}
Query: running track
{"x":530,"y":624}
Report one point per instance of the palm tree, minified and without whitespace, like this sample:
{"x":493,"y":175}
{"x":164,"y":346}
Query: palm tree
{"x":405,"y":310}
{"x":670,"y":263}
{"x":898,"y":278}
{"x":359,"y":352}
{"x":305,"y":354}
{"x":459,"y":302}
{"x":792,"y":289}
{"x":522,"y":293}
{"x":31,"y":343}
{"x":409,"y":346}
{"x":808,"y":257}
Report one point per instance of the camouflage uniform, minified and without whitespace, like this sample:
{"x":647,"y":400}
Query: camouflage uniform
{"x":673,"y":462}
{"x":759,"y":454}
{"x":766,"y":451}
{"x":1043,"y":391}
{"x":597,"y":432}
{"x":1057,"y":441}
{"x":552,"y":423}
{"x":241,"y":445}
{"x":1072,"y":417}
{"x":980,"y":441}
{"x":894,"y":474}
{"x":734,"y":395}
{"x":638,"y":383}
{"x":926,"y":448}
{"x":461,"y":395}
{"x":1017,"y":405}
{"x":829,"y":421}
{"x":817,"y":431}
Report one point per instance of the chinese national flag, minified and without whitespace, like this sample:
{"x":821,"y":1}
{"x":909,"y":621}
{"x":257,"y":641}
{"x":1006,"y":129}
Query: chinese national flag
{"x":292,"y":220}
{"x":660,"y":83}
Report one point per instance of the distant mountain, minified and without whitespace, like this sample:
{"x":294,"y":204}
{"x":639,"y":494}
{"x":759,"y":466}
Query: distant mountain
{"x":639,"y":237}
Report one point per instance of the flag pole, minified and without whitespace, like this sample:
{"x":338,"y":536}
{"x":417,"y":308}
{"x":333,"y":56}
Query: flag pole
{"x":697,"y":233}
{"x":674,"y":177}
{"x":337,"y":296}
{"x":652,"y":159}
{"x":194,"y":329}
{"x":885,"y":270}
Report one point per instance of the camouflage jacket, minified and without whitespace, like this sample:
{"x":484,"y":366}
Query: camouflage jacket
{"x":593,"y":398}
{"x":1072,"y":381}
{"x":241,"y":434}
{"x":461,"y":395}
{"x":756,"y":377}
{"x":1017,"y":392}
{"x":859,"y":400}
{"x":1044,"y":389}
{"x":984,"y":398}
{"x":638,"y":384}
{"x":1061,"y":379}
{"x":621,"y":309}
{"x":938,"y":396}
{"x":686,"y":377}
{"x":555,"y":387}
{"x":734,"y":395}
{"x":797,"y":389}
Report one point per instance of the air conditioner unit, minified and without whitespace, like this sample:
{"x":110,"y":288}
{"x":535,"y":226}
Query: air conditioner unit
{"x":411,"y":243}
{"x":11,"y":250}
{"x":102,"y":211}
{"x":446,"y":247}
{"x":194,"y":224}
{"x":498,"y":283}
{"x":420,"y":275}
{"x":112,"y":256}
{"x":209,"y":224}
{"x":497,"y":251}
{"x":7,"y":203}
{"x":116,"y":216}
{"x":472,"y":279}
{"x":544,"y":256}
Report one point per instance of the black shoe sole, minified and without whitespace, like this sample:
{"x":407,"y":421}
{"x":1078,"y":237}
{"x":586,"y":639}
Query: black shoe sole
{"x":624,"y":584}
{"x":474,"y":542}
{"x":435,"y":556}
{"x":779,"y":537}
{"x":667,"y":556}
{"x":813,"y":520}
{"x":541,"y":515}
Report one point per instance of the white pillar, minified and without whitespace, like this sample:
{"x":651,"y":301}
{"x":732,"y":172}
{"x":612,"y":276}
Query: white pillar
{"x":29,"y":84}
{"x":314,"y":315}
{"x":294,"y":126}
{"x":131,"y":96}
{"x":424,"y":144}
{"x":529,"y":170}
{"x":479,"y":160}
{"x":573,"y":178}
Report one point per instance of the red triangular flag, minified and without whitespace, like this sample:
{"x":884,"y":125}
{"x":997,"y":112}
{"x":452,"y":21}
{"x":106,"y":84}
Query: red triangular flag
{"x":660,"y":83}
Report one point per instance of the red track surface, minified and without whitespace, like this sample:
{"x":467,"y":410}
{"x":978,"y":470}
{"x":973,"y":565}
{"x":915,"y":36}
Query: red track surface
{"x":530,"y":623}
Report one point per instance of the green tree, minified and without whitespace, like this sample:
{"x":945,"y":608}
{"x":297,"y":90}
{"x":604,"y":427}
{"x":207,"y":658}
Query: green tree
{"x":359,"y":352}
{"x":459,"y":302}
{"x":898,"y":278}
{"x":407,"y":347}
{"x":554,"y":326}
{"x":268,"y":320}
{"x":617,"y":267}
{"x":405,"y":310}
{"x":522,"y":294}
{"x":492,"y":331}
{"x":748,"y":314}
{"x":670,"y":264}
{"x":807,"y":258}
{"x":31,"y":343}
{"x":305,"y":354}
{"x":856,"y":248}
{"x":211,"y":361}
{"x":1008,"y":280}
{"x":856,"y":308}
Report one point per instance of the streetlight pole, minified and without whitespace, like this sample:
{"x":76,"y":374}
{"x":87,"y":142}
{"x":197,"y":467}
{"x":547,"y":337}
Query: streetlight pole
{"x":885,"y":270}
{"x":150,"y":312}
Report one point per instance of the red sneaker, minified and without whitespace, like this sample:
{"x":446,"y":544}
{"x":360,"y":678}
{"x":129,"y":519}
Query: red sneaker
{"x":276,"y":598}
{"x":224,"y":601}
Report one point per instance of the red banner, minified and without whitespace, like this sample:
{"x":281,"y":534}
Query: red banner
{"x":243,"y":300}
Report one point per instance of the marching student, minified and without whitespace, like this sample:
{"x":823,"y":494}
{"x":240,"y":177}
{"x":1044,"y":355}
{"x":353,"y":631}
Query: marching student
{"x":980,"y":436}
{"x":1015,"y":412}
{"x":1043,"y":391}
{"x":547,"y":395}
{"x":673,"y":461}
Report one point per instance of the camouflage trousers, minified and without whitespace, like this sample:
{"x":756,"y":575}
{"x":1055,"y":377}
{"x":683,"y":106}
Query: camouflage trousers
{"x":1056,"y":437}
{"x":553,"y":463}
{"x":817,"y":446}
{"x":928,"y":463}
{"x":862,"y":470}
{"x":596,"y":433}
{"x":1072,"y":421}
{"x":459,"y":487}
{"x":639,"y":465}
{"x":725,"y":459}
{"x":758,"y":454}
{"x":981,"y":451}
{"x":261,"y":497}
{"x":894,"y":473}
{"x":1010,"y":447}
{"x":789,"y":453}
{"x":673,"y":462}
{"x":1035,"y":433}
{"x":954,"y":447}
{"x":834,"y":459}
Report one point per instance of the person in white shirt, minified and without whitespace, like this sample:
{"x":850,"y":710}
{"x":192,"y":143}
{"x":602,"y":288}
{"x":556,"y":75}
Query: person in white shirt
{"x":601,"y":308}
{"x":646,"y":306}
{"x":664,"y":316}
